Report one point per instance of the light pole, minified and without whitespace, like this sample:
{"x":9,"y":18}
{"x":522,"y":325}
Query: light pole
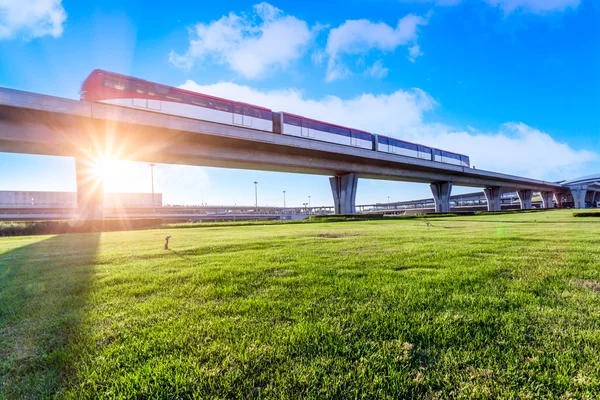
{"x":389,"y":206}
{"x":284,"y":199}
{"x":255,"y":194}
{"x":309,"y":204}
{"x":152,"y":165}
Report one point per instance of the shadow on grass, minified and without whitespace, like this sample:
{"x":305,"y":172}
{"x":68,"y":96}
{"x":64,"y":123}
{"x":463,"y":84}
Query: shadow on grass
{"x":43,"y":288}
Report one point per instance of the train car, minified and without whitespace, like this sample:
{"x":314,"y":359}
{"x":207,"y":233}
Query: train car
{"x":296,"y":125}
{"x":448,"y":157}
{"x":387,"y":144}
{"x":395,"y":146}
{"x":107,"y":87}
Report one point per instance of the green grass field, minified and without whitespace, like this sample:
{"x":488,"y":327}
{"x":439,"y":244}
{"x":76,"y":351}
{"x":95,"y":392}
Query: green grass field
{"x":494,"y":306}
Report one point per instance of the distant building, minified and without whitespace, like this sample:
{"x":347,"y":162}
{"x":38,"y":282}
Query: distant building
{"x":34,"y":199}
{"x":132,"y":200}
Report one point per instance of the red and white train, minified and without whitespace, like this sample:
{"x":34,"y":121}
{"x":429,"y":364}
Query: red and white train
{"x":111,"y":88}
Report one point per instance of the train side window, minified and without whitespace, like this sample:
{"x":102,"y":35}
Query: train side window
{"x":221,"y":106}
{"x":237,"y":109}
{"x":200,"y":101}
{"x":247,"y":111}
{"x":292,"y":120}
{"x":449,"y":155}
{"x":161,"y":90}
{"x":114,"y":84}
{"x":408,"y":146}
{"x":266,"y":115}
{"x":172,"y":95}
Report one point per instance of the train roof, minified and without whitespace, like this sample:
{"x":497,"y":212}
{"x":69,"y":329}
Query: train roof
{"x":190,"y":92}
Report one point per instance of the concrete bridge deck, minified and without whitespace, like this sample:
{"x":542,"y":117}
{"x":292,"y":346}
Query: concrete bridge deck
{"x":39,"y":124}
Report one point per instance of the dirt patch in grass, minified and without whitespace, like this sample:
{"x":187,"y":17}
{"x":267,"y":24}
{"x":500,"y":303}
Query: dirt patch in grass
{"x":338,"y":235}
{"x":588,"y":284}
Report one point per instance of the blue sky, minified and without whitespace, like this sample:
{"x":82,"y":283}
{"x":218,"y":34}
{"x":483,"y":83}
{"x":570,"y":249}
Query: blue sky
{"x":515,"y":84}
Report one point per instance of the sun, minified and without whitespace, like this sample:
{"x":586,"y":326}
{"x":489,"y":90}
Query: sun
{"x":101,"y":169}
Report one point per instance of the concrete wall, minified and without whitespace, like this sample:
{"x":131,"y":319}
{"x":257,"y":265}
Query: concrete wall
{"x":33,"y":199}
{"x":26,"y":199}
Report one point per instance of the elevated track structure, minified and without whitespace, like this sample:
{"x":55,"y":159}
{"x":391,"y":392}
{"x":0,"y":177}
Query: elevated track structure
{"x":39,"y":124}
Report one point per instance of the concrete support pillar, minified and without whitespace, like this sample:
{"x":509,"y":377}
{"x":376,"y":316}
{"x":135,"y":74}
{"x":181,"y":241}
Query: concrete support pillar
{"x":578,"y":194}
{"x":343,"y":188}
{"x":441,"y":196}
{"x":90,"y":188}
{"x":558,"y":199}
{"x":525,"y":196}
{"x":492,"y":195}
{"x":547,"y":199}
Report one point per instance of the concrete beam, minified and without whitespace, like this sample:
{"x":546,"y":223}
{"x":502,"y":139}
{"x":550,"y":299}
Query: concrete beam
{"x":441,"y":195}
{"x":525,"y":196}
{"x":90,"y":188}
{"x":578,"y":193}
{"x":493,"y":194}
{"x":343,"y":188}
{"x":547,"y":199}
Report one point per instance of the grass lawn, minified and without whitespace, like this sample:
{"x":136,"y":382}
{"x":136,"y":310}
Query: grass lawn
{"x":494,"y":306}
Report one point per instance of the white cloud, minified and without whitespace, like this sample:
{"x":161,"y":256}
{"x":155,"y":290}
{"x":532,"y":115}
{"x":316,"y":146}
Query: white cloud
{"x":250,"y":45}
{"x":533,"y":6}
{"x":514,"y":148}
{"x":414,"y":52}
{"x":509,"y":6}
{"x":366,"y":111}
{"x":361,"y":36}
{"x":31,"y":18}
{"x":377,"y":70}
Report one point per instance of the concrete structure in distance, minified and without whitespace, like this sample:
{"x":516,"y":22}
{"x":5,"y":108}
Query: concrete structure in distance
{"x":39,"y":124}
{"x":51,"y":199}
